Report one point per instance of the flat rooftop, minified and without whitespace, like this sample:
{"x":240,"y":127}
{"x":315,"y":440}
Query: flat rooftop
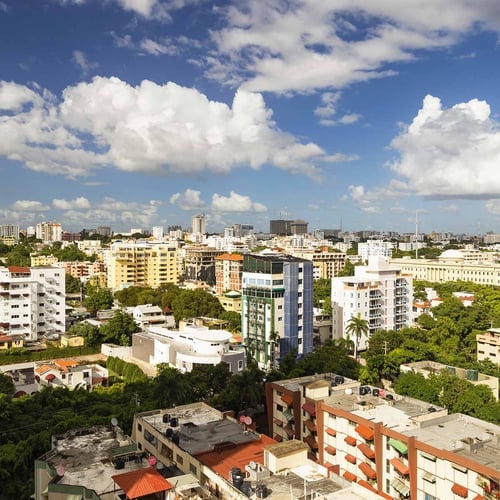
{"x":201,"y":428}
{"x":466,"y":436}
{"x":84,"y":457}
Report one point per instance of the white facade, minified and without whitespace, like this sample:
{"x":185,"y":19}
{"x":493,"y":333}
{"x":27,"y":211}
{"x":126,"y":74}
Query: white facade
{"x":158,"y":232}
{"x":379,"y":293}
{"x":195,"y":345}
{"x":147,"y":314}
{"x":49,"y":232}
{"x":375,"y":248}
{"x":32,"y":301}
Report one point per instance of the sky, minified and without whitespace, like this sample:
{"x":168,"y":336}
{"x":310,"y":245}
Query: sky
{"x":352,"y":113}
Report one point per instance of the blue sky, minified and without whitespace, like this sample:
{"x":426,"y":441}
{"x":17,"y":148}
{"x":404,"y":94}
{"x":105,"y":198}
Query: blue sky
{"x":135,"y":113}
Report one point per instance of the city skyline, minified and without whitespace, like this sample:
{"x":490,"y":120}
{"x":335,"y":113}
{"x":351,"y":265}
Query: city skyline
{"x":139,"y":113}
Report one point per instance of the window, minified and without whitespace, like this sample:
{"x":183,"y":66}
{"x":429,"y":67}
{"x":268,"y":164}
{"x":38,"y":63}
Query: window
{"x":387,"y":466}
{"x":139,"y":427}
{"x":180,"y":460}
{"x":192,"y":469}
{"x":279,"y":407}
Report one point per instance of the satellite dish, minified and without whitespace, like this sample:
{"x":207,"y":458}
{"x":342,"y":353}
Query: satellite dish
{"x":60,"y":470}
{"x":114,"y":422}
{"x":252,"y":465}
{"x":248,"y":420}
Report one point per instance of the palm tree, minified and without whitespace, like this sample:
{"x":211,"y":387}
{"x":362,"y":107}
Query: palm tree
{"x":356,"y":327}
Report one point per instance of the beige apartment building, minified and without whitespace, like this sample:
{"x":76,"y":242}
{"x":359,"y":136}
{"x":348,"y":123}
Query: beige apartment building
{"x":141,"y":264}
{"x":326,"y":264}
{"x":488,"y":345}
{"x":228,"y":272}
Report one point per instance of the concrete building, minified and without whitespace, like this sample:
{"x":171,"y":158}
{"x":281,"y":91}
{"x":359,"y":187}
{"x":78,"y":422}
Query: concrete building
{"x":280,"y":226}
{"x":147,"y":315}
{"x":49,"y":232}
{"x":141,"y":264}
{"x":488,"y":345}
{"x":277,"y":314}
{"x":230,"y":460}
{"x":326,"y":265}
{"x":42,"y":260}
{"x":379,"y":293}
{"x":394,"y":446}
{"x":81,"y":269}
{"x":32,"y":301}
{"x":157,"y":233}
{"x":298,"y":226}
{"x":198,"y":224}
{"x":99,"y":463}
{"x":454,"y":265}
{"x":231,"y":301}
{"x":199,"y":263}
{"x":194,"y":345}
{"x":9,"y":234}
{"x":375,"y":248}
{"x":228,"y":272}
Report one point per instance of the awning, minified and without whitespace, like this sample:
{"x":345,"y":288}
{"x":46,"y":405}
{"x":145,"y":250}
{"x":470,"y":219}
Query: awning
{"x":278,"y":438}
{"x":350,"y":440}
{"x":278,"y":422}
{"x":49,"y":377}
{"x":287,"y":399}
{"x":400,"y":487}
{"x":366,"y":450}
{"x":289,"y":430}
{"x":350,"y":476}
{"x":331,"y":432}
{"x":364,"y":432}
{"x":430,"y":478}
{"x":310,"y":425}
{"x":288,"y":415}
{"x":331,"y":450}
{"x":311,"y":442}
{"x":367,"y":485}
{"x":367,"y":470}
{"x":310,"y":408}
{"x":350,"y":458}
{"x":478,"y":497}
{"x":399,"y":446}
{"x":400,"y":466}
{"x":460,"y":490}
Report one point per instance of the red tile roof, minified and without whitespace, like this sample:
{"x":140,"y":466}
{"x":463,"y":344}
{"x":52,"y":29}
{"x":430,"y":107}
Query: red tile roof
{"x":230,"y":256}
{"x":19,"y":269}
{"x":238,"y":456}
{"x":142,"y":482}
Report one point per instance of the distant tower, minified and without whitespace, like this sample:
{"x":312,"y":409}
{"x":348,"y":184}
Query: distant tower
{"x":158,"y":232}
{"x":198,"y":224}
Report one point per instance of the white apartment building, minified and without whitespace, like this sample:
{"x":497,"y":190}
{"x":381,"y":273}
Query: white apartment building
{"x":198,"y":224}
{"x":9,"y":233}
{"x":158,"y":233}
{"x":32,"y":301}
{"x":49,"y":232}
{"x":375,"y":248}
{"x":379,"y":293}
{"x":141,"y":264}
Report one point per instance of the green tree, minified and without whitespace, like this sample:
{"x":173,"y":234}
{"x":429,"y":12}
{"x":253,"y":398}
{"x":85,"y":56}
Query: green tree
{"x":89,"y":332}
{"x":73,"y":285}
{"x":233,"y":318}
{"x":356,"y":327}
{"x":119,"y":329}
{"x":6,"y":385}
{"x":171,"y":387}
{"x":97,"y":299}
{"x":347,"y":270}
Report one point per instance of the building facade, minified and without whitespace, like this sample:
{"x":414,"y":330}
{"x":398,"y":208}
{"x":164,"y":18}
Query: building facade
{"x":32,"y":301}
{"x":375,"y":248}
{"x":49,"y":232}
{"x":199,"y":263}
{"x":379,"y":293}
{"x":228,"y":272}
{"x":488,"y":345}
{"x":9,"y":233}
{"x":141,"y":264}
{"x":393,"y":446}
{"x":277,"y":313}
{"x":198,"y":224}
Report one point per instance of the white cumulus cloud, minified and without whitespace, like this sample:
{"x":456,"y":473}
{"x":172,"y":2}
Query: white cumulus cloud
{"x":80,"y":202}
{"x":453,"y":152}
{"x":29,"y":206}
{"x":235,"y":203}
{"x":14,"y":96}
{"x":189,"y":200}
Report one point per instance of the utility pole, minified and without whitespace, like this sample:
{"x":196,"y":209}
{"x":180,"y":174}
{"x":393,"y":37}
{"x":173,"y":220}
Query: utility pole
{"x":385,"y":347}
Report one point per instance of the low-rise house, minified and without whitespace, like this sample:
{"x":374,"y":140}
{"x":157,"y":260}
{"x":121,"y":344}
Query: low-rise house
{"x":69,"y":373}
{"x":147,"y":314}
{"x":11,"y":341}
{"x":488,"y":346}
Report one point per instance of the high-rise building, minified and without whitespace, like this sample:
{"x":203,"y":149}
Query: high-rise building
{"x":103,"y":231}
{"x":277,"y":307}
{"x":9,"y":231}
{"x":32,"y":301}
{"x":158,"y":232}
{"x":375,"y":248}
{"x":49,"y":232}
{"x":199,"y":263}
{"x":228,"y":272}
{"x":280,"y":227}
{"x":298,"y":226}
{"x":141,"y":264}
{"x":379,"y":293}
{"x":198,"y":224}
